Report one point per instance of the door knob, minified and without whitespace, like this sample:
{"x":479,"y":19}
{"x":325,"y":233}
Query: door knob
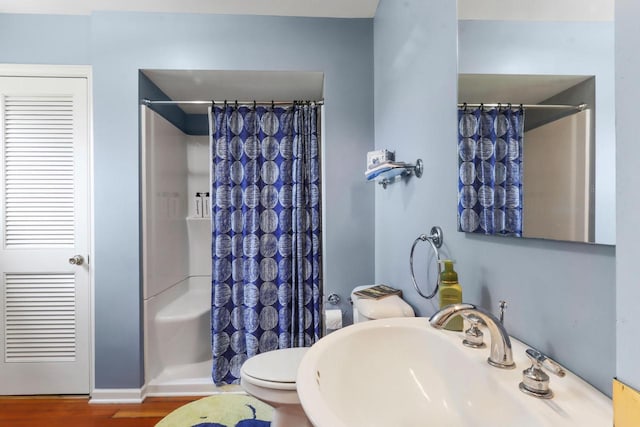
{"x":76,"y":260}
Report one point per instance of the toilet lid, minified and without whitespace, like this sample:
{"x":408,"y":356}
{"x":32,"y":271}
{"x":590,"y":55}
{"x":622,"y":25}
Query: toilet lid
{"x":279,"y":366}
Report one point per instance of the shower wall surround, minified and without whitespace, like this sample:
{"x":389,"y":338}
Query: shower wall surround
{"x":178,"y":242}
{"x":167,"y":246}
{"x":418,"y":111}
{"x":176,"y":260}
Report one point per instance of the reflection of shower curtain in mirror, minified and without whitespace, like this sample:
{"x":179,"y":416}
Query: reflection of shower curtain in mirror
{"x":490,"y":170}
{"x":266,"y":221}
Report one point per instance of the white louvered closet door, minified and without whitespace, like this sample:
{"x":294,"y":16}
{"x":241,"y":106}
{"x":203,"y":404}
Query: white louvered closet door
{"x":44,"y":300}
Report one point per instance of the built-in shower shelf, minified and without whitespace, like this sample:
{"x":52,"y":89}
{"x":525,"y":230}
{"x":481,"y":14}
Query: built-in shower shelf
{"x":198,"y":218}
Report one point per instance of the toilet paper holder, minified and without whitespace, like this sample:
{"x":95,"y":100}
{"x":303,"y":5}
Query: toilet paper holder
{"x":333,"y":299}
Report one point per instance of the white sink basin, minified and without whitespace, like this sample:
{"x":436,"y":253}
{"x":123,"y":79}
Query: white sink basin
{"x":404,"y":373}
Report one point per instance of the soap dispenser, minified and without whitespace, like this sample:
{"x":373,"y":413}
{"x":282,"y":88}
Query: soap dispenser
{"x":450,"y":293}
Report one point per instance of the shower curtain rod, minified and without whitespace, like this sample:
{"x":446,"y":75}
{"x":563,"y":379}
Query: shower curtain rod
{"x":228,"y":101}
{"x":579,"y":107}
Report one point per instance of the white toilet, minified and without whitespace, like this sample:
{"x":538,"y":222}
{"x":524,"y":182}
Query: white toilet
{"x":271,"y":376}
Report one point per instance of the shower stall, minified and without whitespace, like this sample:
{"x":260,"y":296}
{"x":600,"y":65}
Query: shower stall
{"x":177,"y":232}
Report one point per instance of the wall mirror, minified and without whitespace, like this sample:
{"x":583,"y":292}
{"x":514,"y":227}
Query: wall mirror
{"x":567,"y":167}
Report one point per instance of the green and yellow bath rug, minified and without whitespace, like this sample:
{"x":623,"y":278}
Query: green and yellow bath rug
{"x":221,"y":410}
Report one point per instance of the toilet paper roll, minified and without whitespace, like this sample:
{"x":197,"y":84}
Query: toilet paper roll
{"x":333,"y":319}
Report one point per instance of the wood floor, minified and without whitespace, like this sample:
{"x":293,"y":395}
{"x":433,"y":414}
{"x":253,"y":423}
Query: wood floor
{"x":77,"y":412}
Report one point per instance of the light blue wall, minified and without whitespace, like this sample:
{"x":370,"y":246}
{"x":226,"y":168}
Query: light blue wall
{"x":45,"y":39}
{"x":117,"y":45}
{"x":628,"y":182}
{"x":560,"y":295}
{"x":555,"y":48}
{"x":415,"y":95}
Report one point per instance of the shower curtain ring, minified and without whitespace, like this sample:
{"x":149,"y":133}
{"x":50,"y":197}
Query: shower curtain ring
{"x":464,"y":106}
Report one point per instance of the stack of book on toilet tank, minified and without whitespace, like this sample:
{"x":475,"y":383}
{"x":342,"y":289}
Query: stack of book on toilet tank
{"x":378,"y":292}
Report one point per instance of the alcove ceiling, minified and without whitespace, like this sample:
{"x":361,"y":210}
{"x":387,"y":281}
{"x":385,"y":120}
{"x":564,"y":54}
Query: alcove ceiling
{"x":517,"y":88}
{"x":220,"y":85}
{"x":538,"y":10}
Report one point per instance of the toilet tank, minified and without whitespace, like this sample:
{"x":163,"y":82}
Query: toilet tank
{"x":369,"y":309}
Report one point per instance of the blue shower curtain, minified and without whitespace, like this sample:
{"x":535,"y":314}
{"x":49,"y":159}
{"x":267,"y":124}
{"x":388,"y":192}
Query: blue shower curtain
{"x":265,"y":210}
{"x":490,"y":170}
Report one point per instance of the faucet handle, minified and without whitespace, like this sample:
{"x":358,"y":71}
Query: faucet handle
{"x":473,"y":335}
{"x":473,"y":319}
{"x":538,"y":358}
{"x":535,"y":381}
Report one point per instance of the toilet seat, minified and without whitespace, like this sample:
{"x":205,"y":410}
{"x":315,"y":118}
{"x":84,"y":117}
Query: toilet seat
{"x":275,"y":369}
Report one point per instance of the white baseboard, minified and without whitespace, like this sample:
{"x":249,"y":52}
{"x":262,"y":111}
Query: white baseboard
{"x":118,"y":395}
{"x":171,"y":390}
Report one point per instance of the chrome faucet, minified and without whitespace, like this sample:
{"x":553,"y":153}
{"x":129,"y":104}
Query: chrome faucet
{"x":501,"y":355}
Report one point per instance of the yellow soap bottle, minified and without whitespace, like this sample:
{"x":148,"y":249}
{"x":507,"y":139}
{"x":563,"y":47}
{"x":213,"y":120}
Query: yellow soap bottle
{"x":450,"y":293}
